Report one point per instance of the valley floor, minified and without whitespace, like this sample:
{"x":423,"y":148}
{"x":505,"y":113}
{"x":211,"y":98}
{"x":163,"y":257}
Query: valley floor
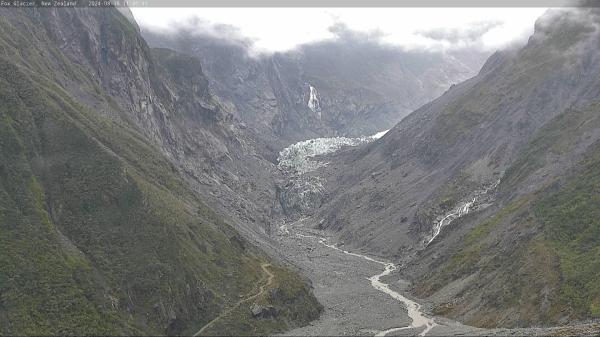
{"x":354,"y":307}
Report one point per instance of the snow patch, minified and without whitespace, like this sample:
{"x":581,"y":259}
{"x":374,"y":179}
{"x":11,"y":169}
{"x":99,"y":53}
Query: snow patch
{"x":379,"y":134}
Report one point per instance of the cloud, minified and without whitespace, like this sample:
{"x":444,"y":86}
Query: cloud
{"x":468,"y":34}
{"x":197,"y":26}
{"x":569,"y":30}
{"x":266,"y":30}
{"x":341,"y":31}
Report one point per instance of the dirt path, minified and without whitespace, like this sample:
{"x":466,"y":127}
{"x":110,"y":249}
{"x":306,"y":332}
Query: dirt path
{"x":261,"y":290}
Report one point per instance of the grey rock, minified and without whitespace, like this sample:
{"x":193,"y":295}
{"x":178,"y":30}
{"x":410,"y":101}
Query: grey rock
{"x":263,"y":312}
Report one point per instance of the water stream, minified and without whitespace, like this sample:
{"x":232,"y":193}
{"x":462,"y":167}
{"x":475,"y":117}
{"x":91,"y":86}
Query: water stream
{"x":296,"y":160}
{"x":461,"y":210}
{"x":419,"y":319}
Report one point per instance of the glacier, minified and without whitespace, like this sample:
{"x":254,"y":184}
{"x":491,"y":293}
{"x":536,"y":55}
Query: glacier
{"x":296,"y":158}
{"x":303,"y":193}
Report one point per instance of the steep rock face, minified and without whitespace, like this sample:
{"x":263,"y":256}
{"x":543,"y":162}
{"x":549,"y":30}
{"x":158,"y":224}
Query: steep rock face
{"x":347,"y":87}
{"x":165,"y":96}
{"x":103,"y":233}
{"x":480,"y":132}
{"x":221,"y":157}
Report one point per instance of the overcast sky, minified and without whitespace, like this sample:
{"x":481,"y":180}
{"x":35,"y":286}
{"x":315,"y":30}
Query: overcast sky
{"x":280,"y":29}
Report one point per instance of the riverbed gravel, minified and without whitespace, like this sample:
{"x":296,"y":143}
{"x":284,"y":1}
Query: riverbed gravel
{"x":352,"y":307}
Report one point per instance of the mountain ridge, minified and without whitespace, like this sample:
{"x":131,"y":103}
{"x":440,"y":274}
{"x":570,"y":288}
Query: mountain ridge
{"x":479,"y":132}
{"x":362,"y":86}
{"x":103,"y":233}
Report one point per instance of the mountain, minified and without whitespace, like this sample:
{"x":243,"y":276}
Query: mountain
{"x":103,"y":142}
{"x":141,"y":188}
{"x":352,"y":85}
{"x":534,"y":259}
{"x":166,"y":97}
{"x":487,"y":193}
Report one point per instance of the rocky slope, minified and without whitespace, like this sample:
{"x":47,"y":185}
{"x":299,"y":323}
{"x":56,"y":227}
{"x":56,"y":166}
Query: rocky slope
{"x":527,"y":251}
{"x":350,"y":86}
{"x":165,"y":96}
{"x":101,"y":231}
{"x":546,"y":234}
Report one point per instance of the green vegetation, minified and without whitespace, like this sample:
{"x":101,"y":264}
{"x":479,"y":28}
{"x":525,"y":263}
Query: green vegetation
{"x":537,"y":259}
{"x":290,"y":298}
{"x":571,"y":219}
{"x":484,"y":229}
{"x":45,"y":287}
{"x":459,"y":119}
{"x":99,"y":233}
{"x":471,"y":255}
{"x":556,"y":138}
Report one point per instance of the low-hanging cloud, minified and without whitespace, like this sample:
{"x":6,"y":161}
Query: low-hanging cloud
{"x":464,"y":35}
{"x":281,"y":29}
{"x":194,"y":26}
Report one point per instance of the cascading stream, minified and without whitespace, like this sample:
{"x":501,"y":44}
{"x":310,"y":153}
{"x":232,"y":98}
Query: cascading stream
{"x":451,"y":216}
{"x":462,"y":210}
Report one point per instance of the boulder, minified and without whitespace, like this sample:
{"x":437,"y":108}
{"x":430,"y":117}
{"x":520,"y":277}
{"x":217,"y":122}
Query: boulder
{"x":263,"y":312}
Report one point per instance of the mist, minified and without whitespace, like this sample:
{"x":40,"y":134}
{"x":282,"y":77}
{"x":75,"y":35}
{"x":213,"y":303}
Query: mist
{"x":271,"y":30}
